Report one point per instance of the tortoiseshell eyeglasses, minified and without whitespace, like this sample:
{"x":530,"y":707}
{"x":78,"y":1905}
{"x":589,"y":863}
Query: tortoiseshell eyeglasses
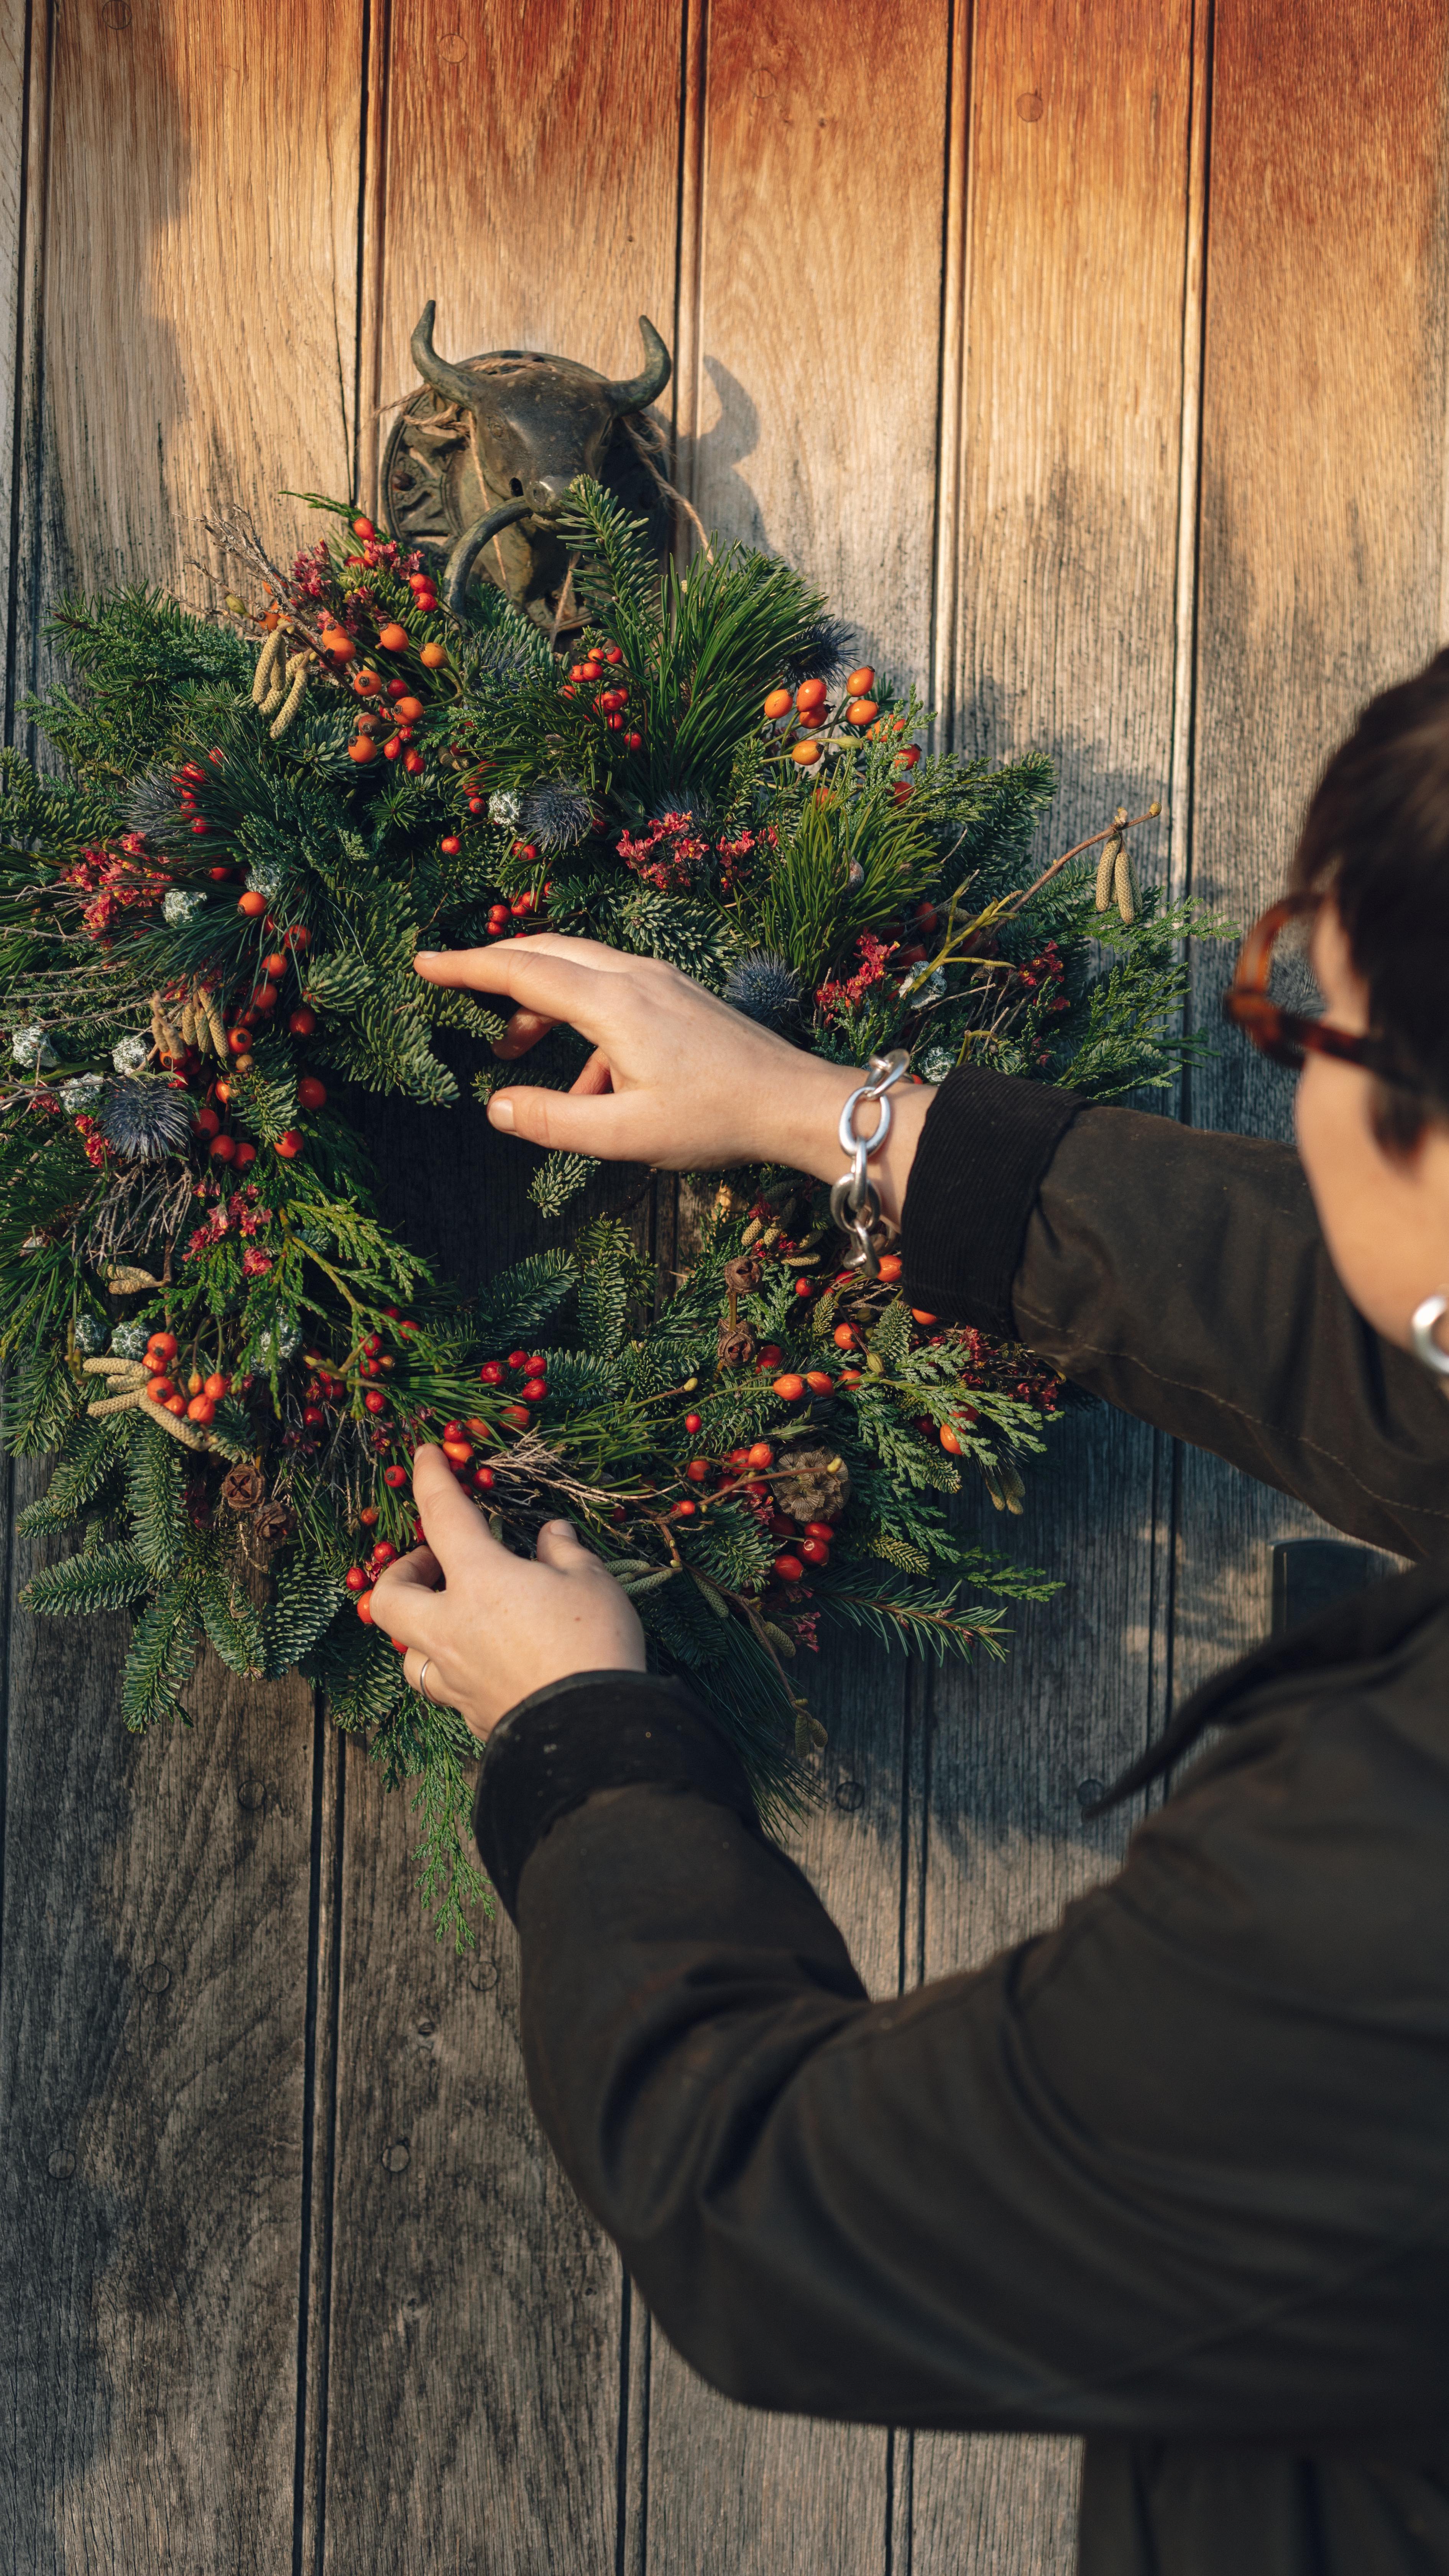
{"x":1287,"y":1036}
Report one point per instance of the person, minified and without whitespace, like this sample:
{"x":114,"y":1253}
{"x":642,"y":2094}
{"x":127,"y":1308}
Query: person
{"x":1174,"y":2175}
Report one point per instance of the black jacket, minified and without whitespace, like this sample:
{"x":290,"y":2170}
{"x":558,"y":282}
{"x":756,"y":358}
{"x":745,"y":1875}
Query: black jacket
{"x":1176,"y":2174}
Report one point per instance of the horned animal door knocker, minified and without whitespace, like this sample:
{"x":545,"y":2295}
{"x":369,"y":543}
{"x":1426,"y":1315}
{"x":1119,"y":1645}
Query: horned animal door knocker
{"x":481,"y":459}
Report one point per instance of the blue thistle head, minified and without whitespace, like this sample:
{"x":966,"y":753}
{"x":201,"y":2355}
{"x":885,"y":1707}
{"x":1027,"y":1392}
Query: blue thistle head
{"x":556,"y":814}
{"x":763,"y":988}
{"x":145,"y":1120}
{"x":826,"y":653}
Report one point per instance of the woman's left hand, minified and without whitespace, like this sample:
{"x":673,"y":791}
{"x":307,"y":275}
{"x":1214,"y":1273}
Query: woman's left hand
{"x":504,"y":1626}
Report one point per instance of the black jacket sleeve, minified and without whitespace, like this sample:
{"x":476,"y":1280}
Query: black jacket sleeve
{"x":1183,"y":1276}
{"x":1174,"y":2168}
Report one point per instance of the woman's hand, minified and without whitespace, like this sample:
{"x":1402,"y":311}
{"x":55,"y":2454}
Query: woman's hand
{"x":504,"y":1626}
{"x":677,"y":1078}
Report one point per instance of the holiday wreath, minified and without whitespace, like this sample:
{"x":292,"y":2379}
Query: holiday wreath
{"x":208,"y":925}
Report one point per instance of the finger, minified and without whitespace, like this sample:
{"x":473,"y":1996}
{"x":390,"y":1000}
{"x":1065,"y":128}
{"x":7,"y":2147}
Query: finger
{"x":561,"y":979}
{"x":595,"y":1077}
{"x":523,"y":1031}
{"x":458,"y":1535}
{"x":560,"y":1546}
{"x":459,"y":965}
{"x":618,"y":1127}
{"x":416,"y":1664}
{"x":419,"y":1567}
{"x":408,"y":1610}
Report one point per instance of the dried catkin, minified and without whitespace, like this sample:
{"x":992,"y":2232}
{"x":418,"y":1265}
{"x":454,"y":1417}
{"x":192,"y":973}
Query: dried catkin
{"x":163,"y":1035}
{"x":1106,"y":870}
{"x":296,"y":689}
{"x":188,"y":1022}
{"x":216,"y":1025}
{"x":1123,"y":887}
{"x":272,"y":646}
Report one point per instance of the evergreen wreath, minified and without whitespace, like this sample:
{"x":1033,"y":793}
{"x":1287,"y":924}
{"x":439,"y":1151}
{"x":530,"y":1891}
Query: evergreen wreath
{"x":207,"y":922}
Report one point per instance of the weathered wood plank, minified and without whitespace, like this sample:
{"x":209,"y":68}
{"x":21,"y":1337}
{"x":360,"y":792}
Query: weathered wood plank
{"x":1061,"y":634}
{"x":14,"y":111}
{"x":523,"y":174}
{"x":190,"y":234}
{"x":819,"y":263}
{"x":529,"y":182}
{"x":1323,"y":554}
{"x":151,"y":2044}
{"x":816,"y":162}
{"x":201,"y":276}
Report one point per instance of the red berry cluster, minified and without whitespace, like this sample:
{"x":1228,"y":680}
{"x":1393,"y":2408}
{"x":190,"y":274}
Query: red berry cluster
{"x":611,"y":700}
{"x":202,"y":1393}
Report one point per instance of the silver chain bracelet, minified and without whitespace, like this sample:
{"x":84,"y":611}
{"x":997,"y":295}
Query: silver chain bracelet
{"x":854,"y":1205}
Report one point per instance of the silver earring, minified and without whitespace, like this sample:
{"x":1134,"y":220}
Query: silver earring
{"x":1426,"y":1345}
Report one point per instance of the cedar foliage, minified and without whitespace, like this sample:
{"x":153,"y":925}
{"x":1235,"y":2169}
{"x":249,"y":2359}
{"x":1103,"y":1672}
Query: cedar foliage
{"x":202,"y":900}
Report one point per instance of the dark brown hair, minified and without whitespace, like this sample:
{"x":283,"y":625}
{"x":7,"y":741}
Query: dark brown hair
{"x":1376,"y":838}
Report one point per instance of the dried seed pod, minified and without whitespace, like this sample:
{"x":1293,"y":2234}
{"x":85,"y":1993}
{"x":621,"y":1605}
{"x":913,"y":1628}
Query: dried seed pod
{"x":741,"y":1276}
{"x":244,"y":1487}
{"x":274,"y":1524}
{"x":123,"y":1279}
{"x":1123,"y":887}
{"x":736,"y":1345}
{"x":812,"y":1484}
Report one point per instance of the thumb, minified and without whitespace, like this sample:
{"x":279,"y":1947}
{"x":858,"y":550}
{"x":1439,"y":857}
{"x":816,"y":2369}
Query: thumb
{"x":618,"y":1127}
{"x":560,"y":1546}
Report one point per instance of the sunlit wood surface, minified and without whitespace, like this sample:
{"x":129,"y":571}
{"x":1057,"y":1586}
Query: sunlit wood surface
{"x":1094,"y":360}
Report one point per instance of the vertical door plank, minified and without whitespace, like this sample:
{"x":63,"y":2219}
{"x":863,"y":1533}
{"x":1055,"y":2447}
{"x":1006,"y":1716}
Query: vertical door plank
{"x":191,"y":227}
{"x":14,"y":103}
{"x":1061,"y":634}
{"x":1323,"y":556}
{"x":151,"y":2043}
{"x":530,"y":180}
{"x":525,"y":178}
{"x":201,"y":289}
{"x":813,"y":428}
{"x":811,"y":295}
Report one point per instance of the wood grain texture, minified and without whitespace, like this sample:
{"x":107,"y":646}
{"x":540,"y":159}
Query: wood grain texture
{"x":807,"y":157}
{"x":530,"y":180}
{"x":1323,"y":560}
{"x":820,"y":283}
{"x":200,"y":312}
{"x":522,"y":173}
{"x":473,"y":2411}
{"x":151,"y":2060}
{"x":14,"y":108}
{"x":1064,"y":626}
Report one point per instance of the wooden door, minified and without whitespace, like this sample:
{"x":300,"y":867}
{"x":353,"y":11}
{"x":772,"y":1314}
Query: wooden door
{"x":1094,"y":360}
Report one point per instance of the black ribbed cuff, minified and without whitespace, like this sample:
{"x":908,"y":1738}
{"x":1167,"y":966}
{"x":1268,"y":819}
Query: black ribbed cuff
{"x":609,"y":1730}
{"x":983,"y":1155}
